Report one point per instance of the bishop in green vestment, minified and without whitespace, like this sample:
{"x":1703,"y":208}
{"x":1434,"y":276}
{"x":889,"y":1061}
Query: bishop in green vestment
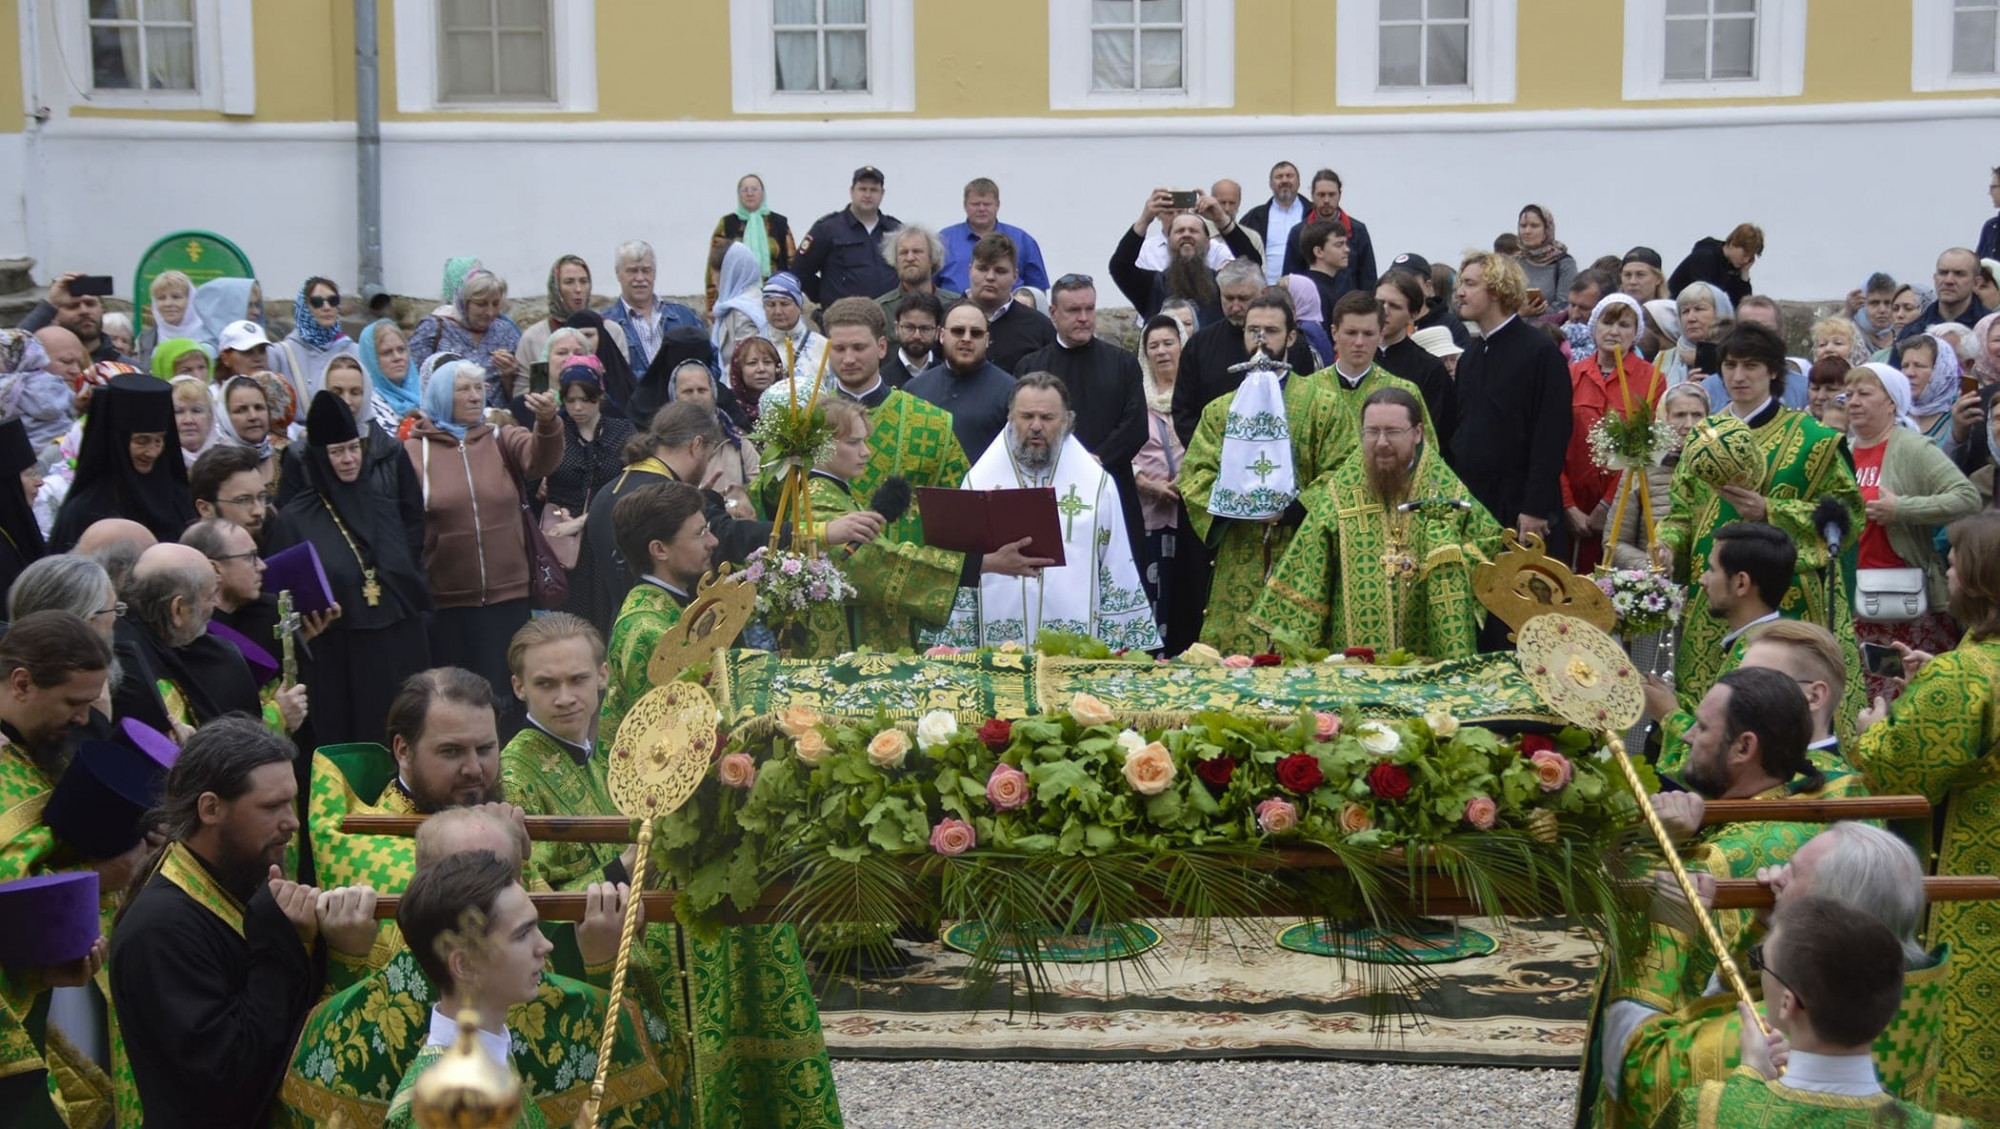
{"x":1365,"y":572}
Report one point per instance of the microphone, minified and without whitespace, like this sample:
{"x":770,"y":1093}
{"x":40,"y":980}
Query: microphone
{"x":1422,"y":503}
{"x":892,"y":499}
{"x":1833,"y":522}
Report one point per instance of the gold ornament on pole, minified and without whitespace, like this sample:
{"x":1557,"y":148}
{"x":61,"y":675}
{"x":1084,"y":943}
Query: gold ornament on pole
{"x":466,"y":1089}
{"x":1525,"y":582}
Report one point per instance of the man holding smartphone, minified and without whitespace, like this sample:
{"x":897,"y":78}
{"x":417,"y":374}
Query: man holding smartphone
{"x":76,"y":303}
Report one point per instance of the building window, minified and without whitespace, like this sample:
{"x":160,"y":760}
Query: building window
{"x":495,"y":51}
{"x":1424,"y":52}
{"x":1714,"y":49}
{"x":1975,"y":38}
{"x":142,"y":45}
{"x":1137,"y":45}
{"x":1424,"y":43}
{"x":1707,"y":40}
{"x":822,"y":56}
{"x":820,"y":45}
{"x":1142,"y":54}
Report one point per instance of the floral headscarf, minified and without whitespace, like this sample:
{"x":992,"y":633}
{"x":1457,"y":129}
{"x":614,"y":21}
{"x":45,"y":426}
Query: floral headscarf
{"x":1551,"y":248}
{"x":20,"y":352}
{"x":1983,"y":365}
{"x":278,"y":394}
{"x":559,"y":311}
{"x":308,"y":327}
{"x":1942,"y":391}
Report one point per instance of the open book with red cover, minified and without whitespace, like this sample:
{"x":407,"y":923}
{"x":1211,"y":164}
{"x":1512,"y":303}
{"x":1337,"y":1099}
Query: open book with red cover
{"x":985,"y":521}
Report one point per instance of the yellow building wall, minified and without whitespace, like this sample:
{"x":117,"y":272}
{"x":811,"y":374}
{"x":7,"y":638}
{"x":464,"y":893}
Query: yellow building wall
{"x":670,"y":61}
{"x":12,"y":113}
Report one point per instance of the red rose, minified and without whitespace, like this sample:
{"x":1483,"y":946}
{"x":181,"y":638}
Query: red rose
{"x":1216,"y":772}
{"x":1265,"y":660}
{"x":996,"y":734}
{"x":1364,"y":654}
{"x":1389,"y":781}
{"x":1533,"y":743}
{"x":1299,"y":773}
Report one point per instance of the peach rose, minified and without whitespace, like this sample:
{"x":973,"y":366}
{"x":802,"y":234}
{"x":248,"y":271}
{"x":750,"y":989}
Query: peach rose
{"x":737,"y":770}
{"x":1481,"y":811}
{"x":953,"y":837}
{"x":1355,"y":818}
{"x":1088,"y":711}
{"x":1276,"y":816}
{"x":1007,"y":788}
{"x":941,"y":650}
{"x":811,"y":745}
{"x":795,"y":720}
{"x":888,"y":748}
{"x":1150,"y":770}
{"x":1326,"y":725}
{"x":1237,"y":662}
{"x":1552,"y":769}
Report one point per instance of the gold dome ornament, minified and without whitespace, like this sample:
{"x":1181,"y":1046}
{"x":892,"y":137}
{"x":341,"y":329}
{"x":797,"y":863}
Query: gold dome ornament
{"x":1723,"y":452}
{"x":1582,"y":673}
{"x":467,"y":1089}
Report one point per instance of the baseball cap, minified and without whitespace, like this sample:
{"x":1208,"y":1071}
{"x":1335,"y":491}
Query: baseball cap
{"x":1411,"y":261}
{"x":867,"y":172}
{"x":242,"y":336}
{"x":1644,"y":255}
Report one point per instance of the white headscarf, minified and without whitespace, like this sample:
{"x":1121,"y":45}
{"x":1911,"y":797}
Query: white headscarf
{"x":1898,"y":387}
{"x":739,"y":286}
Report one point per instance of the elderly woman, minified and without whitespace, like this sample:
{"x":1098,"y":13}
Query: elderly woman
{"x":593,"y":454}
{"x":1682,"y":406}
{"x":1611,"y":380}
{"x":194,"y":417}
{"x":753,"y":226}
{"x":788,"y":329}
{"x":1838,"y":337}
{"x":753,"y":367}
{"x":475,"y":546}
{"x":1980,"y":349}
{"x":395,"y":389}
{"x":1933,"y":371}
{"x":1157,"y":467}
{"x":474,"y":327}
{"x":69,"y":582}
{"x":1544,"y":259}
{"x":735,"y":462}
{"x":316,"y":338}
{"x":1909,"y":488}
{"x":1702,"y":310}
{"x":739,"y":314}
{"x":246,"y":421}
{"x":569,"y":293}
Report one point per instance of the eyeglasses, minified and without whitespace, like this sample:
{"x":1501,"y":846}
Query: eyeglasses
{"x":247,"y":501}
{"x":222,"y":558}
{"x":323,"y":301}
{"x":1757,"y":964}
{"x":116,"y":610}
{"x":1371,"y":434}
{"x":973,"y":332}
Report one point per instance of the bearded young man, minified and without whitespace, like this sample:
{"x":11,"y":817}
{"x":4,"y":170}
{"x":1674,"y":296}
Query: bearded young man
{"x":1364,"y":570}
{"x":1096,"y":592}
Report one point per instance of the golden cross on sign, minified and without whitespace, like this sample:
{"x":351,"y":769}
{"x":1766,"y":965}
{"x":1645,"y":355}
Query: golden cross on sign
{"x":1071,"y":504}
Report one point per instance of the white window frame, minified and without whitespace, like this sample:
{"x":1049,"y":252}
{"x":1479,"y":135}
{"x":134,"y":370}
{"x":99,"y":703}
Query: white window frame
{"x":572,"y":52}
{"x":892,"y":64}
{"x":1208,"y":61}
{"x":225,"y":61}
{"x":1489,"y":59}
{"x":1930,"y":52}
{"x":1780,"y":57}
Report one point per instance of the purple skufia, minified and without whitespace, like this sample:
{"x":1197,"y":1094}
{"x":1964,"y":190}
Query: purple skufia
{"x":298,"y":569}
{"x":97,"y":806}
{"x":51,"y":919}
{"x":263,"y":668}
{"x":149,"y":741}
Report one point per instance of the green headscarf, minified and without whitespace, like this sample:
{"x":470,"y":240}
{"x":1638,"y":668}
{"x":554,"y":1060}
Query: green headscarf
{"x":755,"y":236}
{"x":169,"y":351}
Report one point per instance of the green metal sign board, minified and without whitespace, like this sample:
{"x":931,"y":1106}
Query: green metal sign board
{"x":201,"y":255}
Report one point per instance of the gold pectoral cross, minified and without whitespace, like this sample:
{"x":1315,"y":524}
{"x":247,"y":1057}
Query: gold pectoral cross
{"x":371,"y":590}
{"x":1071,"y":504}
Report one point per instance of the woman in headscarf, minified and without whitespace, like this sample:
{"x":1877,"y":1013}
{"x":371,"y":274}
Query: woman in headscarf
{"x":735,"y":460}
{"x":475,"y":549}
{"x":1157,"y":467}
{"x":1310,"y":315}
{"x":386,"y":469}
{"x":679,"y":346}
{"x":194,"y":417}
{"x":753,"y":367}
{"x":1909,"y":488}
{"x":619,"y":383}
{"x":1599,"y":386}
{"x":171,"y":302}
{"x":220,"y":301}
{"x":359,"y":662}
{"x":1986,"y":349}
{"x":396,"y":390}
{"x":593,"y":454}
{"x":123,"y":468}
{"x":1701,"y":310}
{"x":183,"y":356}
{"x":1933,"y":371}
{"x":1545,"y":261}
{"x":20,"y":535}
{"x":302,"y":355}
{"x":475,"y":327}
{"x":740,"y":312}
{"x":766,"y":234}
{"x":569,"y":293}
{"x":246,"y":421}
{"x":43,"y":402}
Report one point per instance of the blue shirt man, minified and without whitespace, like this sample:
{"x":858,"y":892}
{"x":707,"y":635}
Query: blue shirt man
{"x":982,"y":209}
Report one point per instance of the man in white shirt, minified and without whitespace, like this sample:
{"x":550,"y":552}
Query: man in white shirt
{"x":1274,"y":220}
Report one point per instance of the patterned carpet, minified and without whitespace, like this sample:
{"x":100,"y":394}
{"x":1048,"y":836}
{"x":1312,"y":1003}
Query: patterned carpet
{"x":1523,"y":1005}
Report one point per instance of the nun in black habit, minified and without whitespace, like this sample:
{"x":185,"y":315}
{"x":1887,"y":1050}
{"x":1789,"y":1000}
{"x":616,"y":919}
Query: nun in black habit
{"x":20,"y":535}
{"x":360,"y":660}
{"x":128,"y":465}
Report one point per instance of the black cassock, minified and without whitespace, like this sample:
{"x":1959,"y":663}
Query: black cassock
{"x":210,"y":674}
{"x":1513,"y":395}
{"x":209,"y":1015}
{"x":1108,"y":395}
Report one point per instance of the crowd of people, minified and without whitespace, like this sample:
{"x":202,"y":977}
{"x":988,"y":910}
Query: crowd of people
{"x":1299,"y":448}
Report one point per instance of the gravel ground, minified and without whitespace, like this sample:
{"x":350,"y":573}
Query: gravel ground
{"x":1197,"y":1095}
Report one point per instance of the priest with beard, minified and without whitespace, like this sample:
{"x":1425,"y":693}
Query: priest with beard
{"x":1107,"y":395}
{"x":1385,"y":559}
{"x":1188,"y":274}
{"x":1096,"y":592}
{"x":218,"y":959}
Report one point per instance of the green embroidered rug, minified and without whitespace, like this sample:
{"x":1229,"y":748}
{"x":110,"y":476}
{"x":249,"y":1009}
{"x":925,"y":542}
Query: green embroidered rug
{"x":1524,"y":1003}
{"x":1378,"y":946}
{"x":1102,"y":944}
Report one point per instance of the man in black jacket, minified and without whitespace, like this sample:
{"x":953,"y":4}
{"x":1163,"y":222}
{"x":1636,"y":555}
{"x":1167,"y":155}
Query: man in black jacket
{"x":1016,"y":330}
{"x":841,"y":255}
{"x":1398,"y":294}
{"x":1187,"y":274}
{"x":1326,"y":193}
{"x":1276,"y":219}
{"x":1722,"y":263}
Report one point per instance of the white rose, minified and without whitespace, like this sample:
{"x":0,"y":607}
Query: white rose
{"x":936,"y":728}
{"x":1130,"y":742}
{"x":1378,"y":738}
{"x":1442,"y":723}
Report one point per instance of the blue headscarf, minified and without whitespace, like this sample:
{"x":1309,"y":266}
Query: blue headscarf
{"x":308,"y":327}
{"x":738,"y":286}
{"x":402,"y":398}
{"x":220,"y":301}
{"x":440,"y":395}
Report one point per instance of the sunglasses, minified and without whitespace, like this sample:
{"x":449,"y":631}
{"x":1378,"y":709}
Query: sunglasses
{"x":323,"y":301}
{"x":965,"y":331}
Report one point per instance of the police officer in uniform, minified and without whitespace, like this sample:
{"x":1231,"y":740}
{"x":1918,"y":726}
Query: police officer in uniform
{"x":841,"y":256}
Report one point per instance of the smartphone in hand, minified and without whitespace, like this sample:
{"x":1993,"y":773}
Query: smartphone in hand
{"x":1185,"y":199}
{"x":91,"y":286}
{"x":1881,"y":661}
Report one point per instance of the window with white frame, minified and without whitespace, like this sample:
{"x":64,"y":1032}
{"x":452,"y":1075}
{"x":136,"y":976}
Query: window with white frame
{"x":1975,"y":38}
{"x":822,"y":56}
{"x":495,"y":51}
{"x":1955,"y":45}
{"x":142,"y":45}
{"x":151,"y":54}
{"x":1714,"y":48}
{"x":1142,"y":54}
{"x":1424,"y":52}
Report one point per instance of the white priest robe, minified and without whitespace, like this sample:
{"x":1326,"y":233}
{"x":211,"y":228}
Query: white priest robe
{"x":1095,"y":593}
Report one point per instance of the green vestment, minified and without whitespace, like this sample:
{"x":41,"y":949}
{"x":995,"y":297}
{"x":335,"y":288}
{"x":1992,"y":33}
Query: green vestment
{"x":1804,"y":462}
{"x":359,"y":779}
{"x":908,"y":438}
{"x":899,"y":586}
{"x":539,"y":776}
{"x":648,"y":612}
{"x":1747,"y":1100}
{"x":1939,"y":741}
{"x":1340,"y":585}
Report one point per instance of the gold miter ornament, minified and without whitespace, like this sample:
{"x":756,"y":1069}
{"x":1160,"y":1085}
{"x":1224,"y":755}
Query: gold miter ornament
{"x":467,"y":1089}
{"x":1722,"y":451}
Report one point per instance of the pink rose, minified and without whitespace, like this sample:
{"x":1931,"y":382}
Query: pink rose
{"x":1481,"y":811}
{"x":1552,"y":769}
{"x":1354,"y":818}
{"x":940,"y":651}
{"x":953,"y":837}
{"x":888,"y":748}
{"x":1007,"y":788}
{"x":1150,"y":769}
{"x":1238,"y":662}
{"x":1276,"y":816}
{"x":737,"y":770}
{"x":1327,"y":725}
